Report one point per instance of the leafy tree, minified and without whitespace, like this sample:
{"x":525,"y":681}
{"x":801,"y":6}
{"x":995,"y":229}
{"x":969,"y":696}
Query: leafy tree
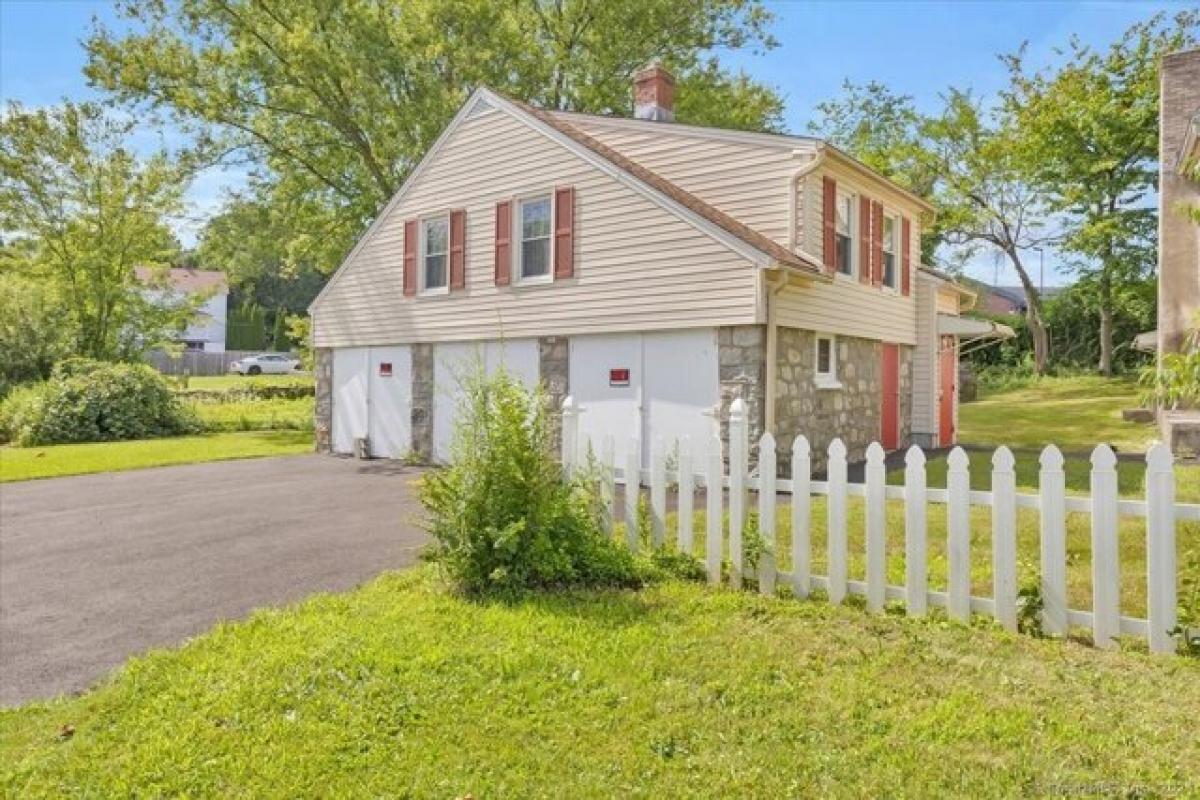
{"x":984,"y":198}
{"x":1089,"y":138}
{"x":32,"y":337}
{"x":279,"y":337}
{"x":334,"y":102}
{"x":87,"y":211}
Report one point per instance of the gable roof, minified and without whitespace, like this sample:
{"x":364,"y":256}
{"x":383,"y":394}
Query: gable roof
{"x":185,"y":279}
{"x":687,"y":206}
{"x":652,"y":179}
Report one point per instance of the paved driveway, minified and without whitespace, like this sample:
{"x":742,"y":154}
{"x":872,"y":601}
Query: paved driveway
{"x":96,"y":568}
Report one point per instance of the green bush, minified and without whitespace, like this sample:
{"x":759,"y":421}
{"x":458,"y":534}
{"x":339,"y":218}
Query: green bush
{"x":501,"y":516}
{"x":94,"y":401}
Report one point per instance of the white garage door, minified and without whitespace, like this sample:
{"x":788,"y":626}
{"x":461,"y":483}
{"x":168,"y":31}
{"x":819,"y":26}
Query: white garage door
{"x":350,"y":371}
{"x":648,"y":385}
{"x":453,"y":360}
{"x":390,"y":402}
{"x":372,"y":398}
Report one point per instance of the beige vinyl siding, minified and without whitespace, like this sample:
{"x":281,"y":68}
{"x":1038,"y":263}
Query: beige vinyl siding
{"x":926,"y":370}
{"x":747,"y":180}
{"x":847,"y":306}
{"x":947,"y":301}
{"x":637,"y":265}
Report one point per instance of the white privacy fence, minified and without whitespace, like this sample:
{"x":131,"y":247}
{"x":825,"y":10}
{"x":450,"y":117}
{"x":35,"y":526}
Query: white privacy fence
{"x":703,"y":466}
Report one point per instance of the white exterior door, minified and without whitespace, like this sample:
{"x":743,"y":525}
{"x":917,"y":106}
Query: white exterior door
{"x":351,"y":367}
{"x":647,"y":386}
{"x":390,"y":401}
{"x":454,"y":360}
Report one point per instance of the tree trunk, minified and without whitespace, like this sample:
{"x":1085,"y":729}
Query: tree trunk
{"x":1106,"y":324}
{"x":1033,"y":315}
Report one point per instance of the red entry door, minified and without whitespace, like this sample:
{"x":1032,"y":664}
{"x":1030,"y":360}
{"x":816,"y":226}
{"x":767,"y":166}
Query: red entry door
{"x":890,"y":427}
{"x":949,"y":387}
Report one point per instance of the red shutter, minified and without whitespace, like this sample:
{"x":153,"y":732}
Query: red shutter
{"x":829,"y":217}
{"x":877,"y":244}
{"x":864,"y":239}
{"x":905,"y":256}
{"x":458,"y":243}
{"x":410,"y":257}
{"x":503,"y":242}
{"x":564,"y":232}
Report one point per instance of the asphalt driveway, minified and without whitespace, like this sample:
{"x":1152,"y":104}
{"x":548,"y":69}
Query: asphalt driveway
{"x":96,"y":568}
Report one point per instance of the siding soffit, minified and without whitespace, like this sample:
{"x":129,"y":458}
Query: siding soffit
{"x":760,"y":249}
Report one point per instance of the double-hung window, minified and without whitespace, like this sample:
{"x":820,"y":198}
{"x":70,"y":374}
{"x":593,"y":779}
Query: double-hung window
{"x":533,"y":237}
{"x":844,"y":234}
{"x":435,"y":248}
{"x":891,"y":249}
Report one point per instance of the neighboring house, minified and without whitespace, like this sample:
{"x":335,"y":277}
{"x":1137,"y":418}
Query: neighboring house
{"x":655,"y":271}
{"x":1008,"y":299}
{"x":207,"y":331}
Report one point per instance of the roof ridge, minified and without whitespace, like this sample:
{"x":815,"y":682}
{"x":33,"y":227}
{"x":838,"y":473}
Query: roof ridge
{"x":690,"y":201}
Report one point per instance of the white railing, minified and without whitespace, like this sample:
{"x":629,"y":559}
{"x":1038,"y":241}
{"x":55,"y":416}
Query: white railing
{"x":1104,"y":506}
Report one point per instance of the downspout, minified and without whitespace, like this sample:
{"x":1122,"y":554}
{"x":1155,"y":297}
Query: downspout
{"x":772,"y":291}
{"x":793,"y":184}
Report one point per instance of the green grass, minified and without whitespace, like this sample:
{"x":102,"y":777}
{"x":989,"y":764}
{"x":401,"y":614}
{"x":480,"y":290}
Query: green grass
{"x":1074,"y":413}
{"x":23,"y":463}
{"x":252,"y":415}
{"x":232,"y":381}
{"x":403,"y":689}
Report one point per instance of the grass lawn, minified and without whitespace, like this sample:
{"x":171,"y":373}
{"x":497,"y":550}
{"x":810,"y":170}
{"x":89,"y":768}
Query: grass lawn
{"x":1074,"y":413}
{"x":252,"y":415}
{"x":403,"y":689}
{"x":23,"y":463}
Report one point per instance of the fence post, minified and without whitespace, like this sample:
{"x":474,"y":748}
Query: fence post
{"x":1160,"y":548}
{"x":739,"y":457}
{"x":713,"y":492}
{"x":608,"y":482}
{"x":958,"y":543}
{"x":633,"y":469}
{"x":570,"y":435}
{"x":1004,"y":537}
{"x":801,"y":514}
{"x":916,"y":572}
{"x":1106,"y":569}
{"x":876,"y":517}
{"x":658,"y":494}
{"x":837,"y":521}
{"x":766,"y":513}
{"x":1053,"y":487}
{"x":684,"y":533}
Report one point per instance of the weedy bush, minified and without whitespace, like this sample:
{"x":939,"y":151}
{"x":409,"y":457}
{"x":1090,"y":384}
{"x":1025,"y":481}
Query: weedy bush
{"x":501,"y":516}
{"x":94,"y":401}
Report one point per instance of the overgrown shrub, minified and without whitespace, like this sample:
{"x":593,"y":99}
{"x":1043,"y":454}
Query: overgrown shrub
{"x":94,"y":401}
{"x":501,"y":516}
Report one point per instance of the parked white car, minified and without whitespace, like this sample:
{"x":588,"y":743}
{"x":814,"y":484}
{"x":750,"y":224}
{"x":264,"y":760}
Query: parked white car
{"x":265,"y":364}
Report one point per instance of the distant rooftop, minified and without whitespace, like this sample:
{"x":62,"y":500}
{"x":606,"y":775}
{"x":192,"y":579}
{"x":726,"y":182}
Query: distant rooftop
{"x":185,"y":279}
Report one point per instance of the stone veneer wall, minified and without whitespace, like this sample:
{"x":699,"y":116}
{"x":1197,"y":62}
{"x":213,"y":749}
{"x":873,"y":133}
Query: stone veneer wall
{"x":741,"y":359}
{"x":422,"y":402}
{"x":323,"y":407}
{"x":852,"y":412}
{"x":553,"y":371}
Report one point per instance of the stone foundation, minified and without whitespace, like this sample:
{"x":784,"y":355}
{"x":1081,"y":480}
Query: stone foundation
{"x":323,"y":407}
{"x":852,"y":412}
{"x":553,"y":371}
{"x":741,"y":359}
{"x":422,"y":402}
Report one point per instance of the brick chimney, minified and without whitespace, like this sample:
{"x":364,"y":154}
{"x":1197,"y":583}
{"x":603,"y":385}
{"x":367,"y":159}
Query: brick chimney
{"x":654,"y":93}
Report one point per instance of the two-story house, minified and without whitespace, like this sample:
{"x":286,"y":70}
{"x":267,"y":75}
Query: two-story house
{"x":653,"y":270}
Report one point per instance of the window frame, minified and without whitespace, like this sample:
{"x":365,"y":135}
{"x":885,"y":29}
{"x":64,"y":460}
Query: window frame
{"x":423,"y":288}
{"x":519,"y":276}
{"x":851,"y":198}
{"x":829,"y":379}
{"x":897,"y":255}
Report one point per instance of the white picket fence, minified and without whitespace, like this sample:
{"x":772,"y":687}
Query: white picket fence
{"x":1103,"y":505}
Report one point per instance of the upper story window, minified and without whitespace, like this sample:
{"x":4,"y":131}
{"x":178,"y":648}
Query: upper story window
{"x":891,"y":249}
{"x":534,"y":229}
{"x":844,"y":233}
{"x":435,"y":246}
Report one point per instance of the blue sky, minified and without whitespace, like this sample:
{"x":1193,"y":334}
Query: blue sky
{"x":917,"y":48}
